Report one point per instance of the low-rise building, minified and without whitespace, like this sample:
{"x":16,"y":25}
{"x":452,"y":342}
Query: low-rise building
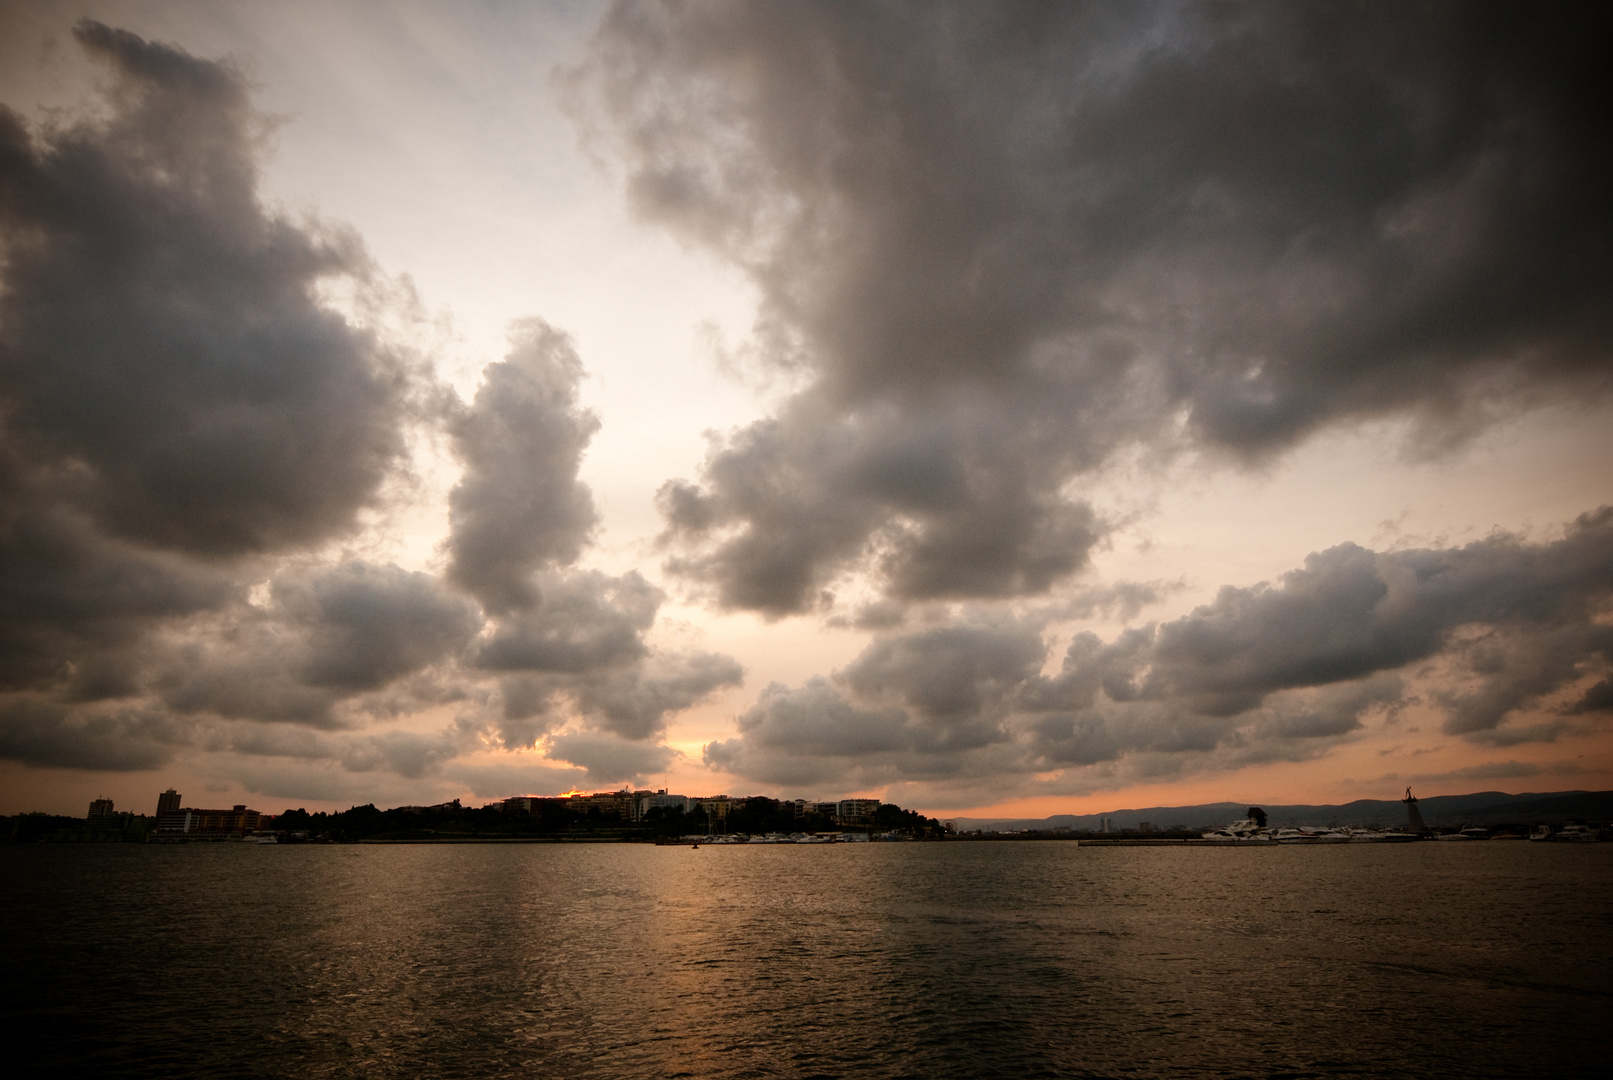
{"x":189,"y":822}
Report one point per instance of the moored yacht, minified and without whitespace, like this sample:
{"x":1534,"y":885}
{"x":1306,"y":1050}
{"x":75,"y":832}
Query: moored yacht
{"x":1251,"y":830}
{"x":1295,"y":836}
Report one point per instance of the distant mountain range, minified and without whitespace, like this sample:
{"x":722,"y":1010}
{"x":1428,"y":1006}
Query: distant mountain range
{"x":1480,"y":808}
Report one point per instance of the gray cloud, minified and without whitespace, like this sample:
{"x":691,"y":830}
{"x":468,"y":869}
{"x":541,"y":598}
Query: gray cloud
{"x":1271,"y":672}
{"x":565,"y":642}
{"x":43,"y":733}
{"x":75,"y":605}
{"x":606,"y":759}
{"x":327,"y":633}
{"x":177,"y":408}
{"x":634,"y":703}
{"x":519,"y":506}
{"x":1500,"y":770}
{"x":1000,"y":242}
{"x":182,"y":416}
{"x":584,"y":621}
{"x":163,"y":352}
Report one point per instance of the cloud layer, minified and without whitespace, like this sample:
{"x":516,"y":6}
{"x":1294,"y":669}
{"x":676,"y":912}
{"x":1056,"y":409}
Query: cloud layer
{"x":996,"y":244}
{"x":190,"y":430}
{"x":1271,"y":672}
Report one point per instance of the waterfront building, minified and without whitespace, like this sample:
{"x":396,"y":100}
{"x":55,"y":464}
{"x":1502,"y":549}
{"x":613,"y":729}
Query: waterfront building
{"x":167,"y":801}
{"x":100,"y":809}
{"x":660,"y":799}
{"x":716,"y":808}
{"x":237,"y":821}
{"x":621,"y":805}
{"x":856,"y":811}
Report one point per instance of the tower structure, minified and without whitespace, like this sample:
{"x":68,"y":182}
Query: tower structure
{"x":166,"y":801}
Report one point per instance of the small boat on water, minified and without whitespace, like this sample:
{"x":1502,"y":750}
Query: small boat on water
{"x":1577,"y":834}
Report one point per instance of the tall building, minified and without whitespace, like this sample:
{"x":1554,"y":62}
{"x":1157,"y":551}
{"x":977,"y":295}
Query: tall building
{"x":166,"y":801}
{"x":100,"y":808}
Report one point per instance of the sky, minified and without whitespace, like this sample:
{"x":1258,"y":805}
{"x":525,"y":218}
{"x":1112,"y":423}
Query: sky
{"x":997,"y":409}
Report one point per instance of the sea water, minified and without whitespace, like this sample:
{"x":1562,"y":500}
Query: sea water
{"x":966,"y":959}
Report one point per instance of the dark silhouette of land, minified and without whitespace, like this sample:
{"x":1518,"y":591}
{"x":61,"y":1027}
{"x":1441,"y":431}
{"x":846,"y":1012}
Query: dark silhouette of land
{"x":1489,"y":808}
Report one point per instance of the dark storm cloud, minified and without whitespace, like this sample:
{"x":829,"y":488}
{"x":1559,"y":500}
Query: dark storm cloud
{"x":327,"y":634}
{"x":1002,"y":241}
{"x":519,"y":506}
{"x":162,"y":350}
{"x":182,"y":416}
{"x":177,"y":406}
{"x":75,"y":604}
{"x":1513,"y":632}
{"x":43,"y":733}
{"x":369,"y":624}
{"x":584,"y":621}
{"x":1519,"y":621}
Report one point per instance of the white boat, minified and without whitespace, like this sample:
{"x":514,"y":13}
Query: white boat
{"x":1247,"y":831}
{"x":1577,"y":834}
{"x":1295,"y":836}
{"x":1541,"y":832}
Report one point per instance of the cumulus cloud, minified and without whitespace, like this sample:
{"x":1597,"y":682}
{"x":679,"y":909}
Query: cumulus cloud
{"x":178,"y":409}
{"x":998,"y":243}
{"x":163,"y":352}
{"x":519,"y":505}
{"x":187,"y":424}
{"x":566,"y":643}
{"x":326,"y":634}
{"x":1270,"y":672}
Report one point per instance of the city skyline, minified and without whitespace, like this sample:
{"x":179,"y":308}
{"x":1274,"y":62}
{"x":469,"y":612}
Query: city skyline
{"x":996,"y":410}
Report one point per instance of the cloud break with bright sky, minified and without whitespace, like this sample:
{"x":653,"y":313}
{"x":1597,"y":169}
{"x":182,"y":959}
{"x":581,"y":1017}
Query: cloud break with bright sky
{"x":994,"y":408}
